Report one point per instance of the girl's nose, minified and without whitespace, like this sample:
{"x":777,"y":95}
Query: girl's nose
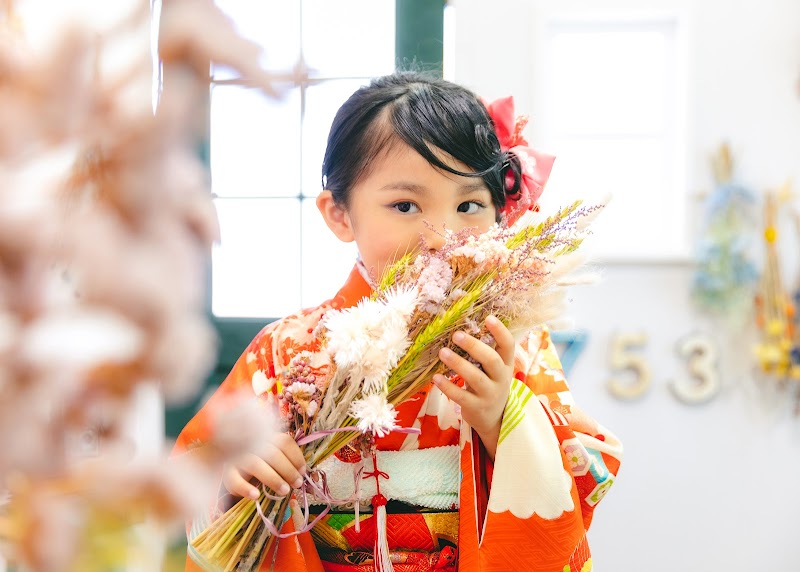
{"x":435,"y":235}
{"x":435,"y":243}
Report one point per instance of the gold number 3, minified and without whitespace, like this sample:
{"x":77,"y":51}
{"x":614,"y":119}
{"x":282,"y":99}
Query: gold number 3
{"x":701,"y":356}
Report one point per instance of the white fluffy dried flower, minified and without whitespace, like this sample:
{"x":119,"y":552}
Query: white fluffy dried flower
{"x":374,"y":414}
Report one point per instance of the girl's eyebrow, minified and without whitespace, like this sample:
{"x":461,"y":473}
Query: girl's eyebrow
{"x":404,"y":186}
{"x":475,"y":187}
{"x":464,"y":189}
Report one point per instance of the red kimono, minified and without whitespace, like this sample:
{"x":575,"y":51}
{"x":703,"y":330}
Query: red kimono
{"x":527,"y":511}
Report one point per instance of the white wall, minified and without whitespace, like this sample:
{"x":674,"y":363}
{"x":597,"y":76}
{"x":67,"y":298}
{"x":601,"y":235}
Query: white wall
{"x":704,"y":487}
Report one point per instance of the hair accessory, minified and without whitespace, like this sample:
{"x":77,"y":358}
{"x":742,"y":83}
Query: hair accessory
{"x":536,"y":166}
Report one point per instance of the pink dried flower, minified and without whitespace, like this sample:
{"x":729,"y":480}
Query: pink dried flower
{"x":434,"y":280}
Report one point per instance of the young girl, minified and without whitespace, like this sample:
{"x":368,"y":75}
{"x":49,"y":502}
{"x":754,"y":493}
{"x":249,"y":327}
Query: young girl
{"x":407,"y":157}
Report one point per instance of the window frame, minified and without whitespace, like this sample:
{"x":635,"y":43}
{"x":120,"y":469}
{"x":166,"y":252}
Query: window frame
{"x":552,"y":15}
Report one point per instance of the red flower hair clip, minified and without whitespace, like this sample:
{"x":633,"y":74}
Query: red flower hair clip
{"x":536,"y":166}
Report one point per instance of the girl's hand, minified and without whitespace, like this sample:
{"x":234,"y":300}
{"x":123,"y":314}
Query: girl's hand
{"x":484,"y":395}
{"x":280,"y":465}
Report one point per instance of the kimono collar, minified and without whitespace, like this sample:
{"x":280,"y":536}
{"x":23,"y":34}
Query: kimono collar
{"x":354,"y":289}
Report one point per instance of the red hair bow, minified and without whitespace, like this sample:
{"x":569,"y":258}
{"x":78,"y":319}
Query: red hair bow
{"x":536,"y":166}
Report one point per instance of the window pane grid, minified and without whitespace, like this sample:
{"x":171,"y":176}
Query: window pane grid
{"x":256,"y":271}
{"x":266,"y":156}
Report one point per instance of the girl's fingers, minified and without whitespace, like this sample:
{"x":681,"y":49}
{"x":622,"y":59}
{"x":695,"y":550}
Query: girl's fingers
{"x":236,"y":484}
{"x":280,"y":464}
{"x":258,"y":468}
{"x":494,"y":364}
{"x":452,"y":391}
{"x":474,"y":378}
{"x":291,"y":450}
{"x":255,"y":466}
{"x":505,"y":345}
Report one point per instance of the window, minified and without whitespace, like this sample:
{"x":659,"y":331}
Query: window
{"x":266,"y":154}
{"x":612,"y":112}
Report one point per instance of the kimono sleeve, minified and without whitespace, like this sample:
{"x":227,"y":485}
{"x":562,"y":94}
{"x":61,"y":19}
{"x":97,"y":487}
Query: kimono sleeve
{"x":552,"y":466}
{"x":247,"y":378}
{"x":590,"y":453}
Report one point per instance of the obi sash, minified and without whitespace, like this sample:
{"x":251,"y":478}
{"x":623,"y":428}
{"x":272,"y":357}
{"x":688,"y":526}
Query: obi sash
{"x":418,"y":541}
{"x":422,"y":512}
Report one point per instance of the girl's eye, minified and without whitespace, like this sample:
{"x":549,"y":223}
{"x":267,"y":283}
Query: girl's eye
{"x":406,"y":207}
{"x":470,"y":207}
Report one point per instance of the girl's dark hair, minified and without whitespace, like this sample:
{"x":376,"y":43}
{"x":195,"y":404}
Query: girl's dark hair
{"x":423,"y":112}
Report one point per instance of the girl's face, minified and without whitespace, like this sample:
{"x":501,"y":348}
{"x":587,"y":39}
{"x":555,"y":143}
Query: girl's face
{"x":403,"y":198}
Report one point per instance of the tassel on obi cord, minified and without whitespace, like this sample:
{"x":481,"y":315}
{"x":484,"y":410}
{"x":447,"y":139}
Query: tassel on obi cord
{"x":381,"y":550}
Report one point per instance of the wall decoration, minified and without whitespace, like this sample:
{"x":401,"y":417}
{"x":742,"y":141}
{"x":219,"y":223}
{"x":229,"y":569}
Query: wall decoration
{"x":573,"y":342}
{"x":623,"y":358}
{"x":725,"y":279}
{"x":794,"y":353}
{"x":777,"y":351}
{"x":701,"y":355}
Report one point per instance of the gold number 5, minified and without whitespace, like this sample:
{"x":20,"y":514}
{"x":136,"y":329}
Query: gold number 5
{"x":622,"y":358}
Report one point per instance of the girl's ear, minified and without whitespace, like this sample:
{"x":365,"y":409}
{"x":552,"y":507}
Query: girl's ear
{"x":335,"y":216}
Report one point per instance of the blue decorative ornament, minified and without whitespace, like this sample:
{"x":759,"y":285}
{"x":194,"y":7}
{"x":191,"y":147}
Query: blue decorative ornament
{"x":573,"y":343}
{"x":725,"y":279}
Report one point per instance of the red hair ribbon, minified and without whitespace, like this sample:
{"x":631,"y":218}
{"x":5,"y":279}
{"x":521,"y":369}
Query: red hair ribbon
{"x":536,"y":166}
